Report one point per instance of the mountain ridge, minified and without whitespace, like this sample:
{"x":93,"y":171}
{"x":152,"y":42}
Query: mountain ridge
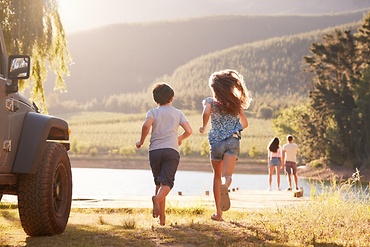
{"x":129,"y":61}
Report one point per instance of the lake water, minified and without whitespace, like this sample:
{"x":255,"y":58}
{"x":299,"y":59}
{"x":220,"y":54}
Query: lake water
{"x":115,"y":183}
{"x":97,"y":183}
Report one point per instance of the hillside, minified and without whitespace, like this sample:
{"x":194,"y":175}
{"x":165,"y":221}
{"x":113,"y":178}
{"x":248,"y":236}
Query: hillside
{"x":128,"y":58}
{"x":272,"y":70}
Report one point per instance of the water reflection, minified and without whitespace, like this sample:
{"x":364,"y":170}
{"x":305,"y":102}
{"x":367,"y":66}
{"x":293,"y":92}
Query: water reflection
{"x":115,"y":183}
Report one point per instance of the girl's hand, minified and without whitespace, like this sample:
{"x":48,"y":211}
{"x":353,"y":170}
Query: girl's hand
{"x":201,"y":129}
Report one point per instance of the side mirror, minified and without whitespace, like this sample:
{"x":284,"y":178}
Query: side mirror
{"x":19,"y":67}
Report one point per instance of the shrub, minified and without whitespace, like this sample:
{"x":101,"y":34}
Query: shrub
{"x":318,"y":163}
{"x":186,"y":148}
{"x":204,"y":148}
{"x":265,"y":112}
{"x":253,"y":152}
{"x":129,"y":223}
{"x":124,"y":151}
{"x":94,"y":151}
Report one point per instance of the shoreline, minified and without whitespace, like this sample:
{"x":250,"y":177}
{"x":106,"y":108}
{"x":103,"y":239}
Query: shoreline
{"x":243,"y":166}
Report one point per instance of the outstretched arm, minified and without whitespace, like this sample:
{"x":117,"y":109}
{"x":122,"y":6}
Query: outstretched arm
{"x":187,"y":132}
{"x":205,"y":115}
{"x":145,"y":131}
{"x":243,"y":118}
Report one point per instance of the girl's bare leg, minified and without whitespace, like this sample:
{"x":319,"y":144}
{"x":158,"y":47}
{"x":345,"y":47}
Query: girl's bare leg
{"x":228,"y":168}
{"x":271,"y":172}
{"x":278,"y":176}
{"x":217,"y":173}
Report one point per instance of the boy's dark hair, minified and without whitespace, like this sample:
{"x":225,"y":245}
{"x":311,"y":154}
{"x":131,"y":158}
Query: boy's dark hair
{"x":290,"y":138}
{"x":162,"y":93}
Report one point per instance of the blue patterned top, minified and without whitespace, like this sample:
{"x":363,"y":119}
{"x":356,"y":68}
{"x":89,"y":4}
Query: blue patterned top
{"x":222,"y":126}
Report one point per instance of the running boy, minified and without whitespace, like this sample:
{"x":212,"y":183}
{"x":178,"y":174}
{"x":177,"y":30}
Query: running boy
{"x":164,"y":156}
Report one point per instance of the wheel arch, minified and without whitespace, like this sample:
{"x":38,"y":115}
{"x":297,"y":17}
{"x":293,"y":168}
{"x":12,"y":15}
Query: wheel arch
{"x":37,"y":129}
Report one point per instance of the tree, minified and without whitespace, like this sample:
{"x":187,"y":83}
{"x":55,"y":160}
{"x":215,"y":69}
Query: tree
{"x":363,"y":88}
{"x":334,"y":64}
{"x":34,"y":28}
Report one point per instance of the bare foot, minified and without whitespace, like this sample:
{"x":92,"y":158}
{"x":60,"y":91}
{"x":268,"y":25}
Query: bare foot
{"x":216,"y":217}
{"x":162,"y":220}
{"x":155,"y":207}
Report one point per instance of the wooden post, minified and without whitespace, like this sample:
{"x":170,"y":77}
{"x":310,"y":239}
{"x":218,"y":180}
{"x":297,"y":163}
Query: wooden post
{"x":298,"y":193}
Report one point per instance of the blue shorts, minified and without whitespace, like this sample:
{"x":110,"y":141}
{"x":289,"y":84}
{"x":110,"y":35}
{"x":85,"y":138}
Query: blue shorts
{"x":164,"y":163}
{"x":229,"y":146}
{"x":275,"y":161}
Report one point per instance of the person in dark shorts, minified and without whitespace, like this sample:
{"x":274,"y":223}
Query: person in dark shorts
{"x":290,"y":159}
{"x":164,"y":156}
{"x":226,"y":111}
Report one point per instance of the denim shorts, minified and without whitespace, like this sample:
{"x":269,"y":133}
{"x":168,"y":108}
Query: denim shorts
{"x":229,"y":146}
{"x":275,"y":161}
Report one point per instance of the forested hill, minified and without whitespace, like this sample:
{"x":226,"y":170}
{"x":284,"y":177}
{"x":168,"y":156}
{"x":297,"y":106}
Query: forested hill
{"x":271,"y":68}
{"x":128,"y":58}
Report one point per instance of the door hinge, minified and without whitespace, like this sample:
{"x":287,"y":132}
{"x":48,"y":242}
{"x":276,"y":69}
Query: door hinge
{"x":8,"y":145}
{"x":9,"y":104}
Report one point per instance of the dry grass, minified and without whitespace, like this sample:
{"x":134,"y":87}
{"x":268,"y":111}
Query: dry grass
{"x":340,"y":216}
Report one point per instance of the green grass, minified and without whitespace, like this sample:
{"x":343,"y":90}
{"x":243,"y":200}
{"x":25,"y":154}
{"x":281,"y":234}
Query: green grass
{"x":336,"y":217}
{"x":111,"y":133}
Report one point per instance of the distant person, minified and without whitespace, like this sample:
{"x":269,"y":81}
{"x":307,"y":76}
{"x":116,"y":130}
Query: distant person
{"x":225,"y":108}
{"x":290,"y":160}
{"x":274,"y":161}
{"x":164,"y":156}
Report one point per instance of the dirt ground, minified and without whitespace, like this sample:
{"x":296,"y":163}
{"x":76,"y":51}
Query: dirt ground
{"x":244,"y":166}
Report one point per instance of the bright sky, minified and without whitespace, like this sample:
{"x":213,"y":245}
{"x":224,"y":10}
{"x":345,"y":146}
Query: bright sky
{"x":80,"y":15}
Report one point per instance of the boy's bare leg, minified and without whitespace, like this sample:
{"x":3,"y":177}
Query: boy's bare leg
{"x":162,"y":214}
{"x":159,"y":202}
{"x":155,"y":211}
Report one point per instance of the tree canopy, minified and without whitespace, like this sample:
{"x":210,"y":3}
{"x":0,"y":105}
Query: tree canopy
{"x":35,"y":28}
{"x":335,"y":124}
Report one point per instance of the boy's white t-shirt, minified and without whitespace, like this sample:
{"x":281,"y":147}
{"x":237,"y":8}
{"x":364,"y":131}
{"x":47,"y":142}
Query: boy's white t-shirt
{"x":290,"y":152}
{"x":167,"y":120}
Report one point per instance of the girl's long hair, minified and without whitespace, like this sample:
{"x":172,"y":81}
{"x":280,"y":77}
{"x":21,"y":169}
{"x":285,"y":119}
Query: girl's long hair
{"x":230,"y":91}
{"x":274,"y":145}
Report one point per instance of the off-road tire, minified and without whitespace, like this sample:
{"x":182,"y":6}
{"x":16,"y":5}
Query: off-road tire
{"x":44,"y":198}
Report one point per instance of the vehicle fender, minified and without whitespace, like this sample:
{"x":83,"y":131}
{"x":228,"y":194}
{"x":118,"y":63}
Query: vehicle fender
{"x":37,"y":129}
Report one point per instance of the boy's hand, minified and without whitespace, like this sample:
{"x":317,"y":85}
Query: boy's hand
{"x":138,"y":144}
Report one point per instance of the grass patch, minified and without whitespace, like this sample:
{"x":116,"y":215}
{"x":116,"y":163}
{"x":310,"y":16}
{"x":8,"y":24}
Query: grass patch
{"x":336,"y":217}
{"x":339,"y":215}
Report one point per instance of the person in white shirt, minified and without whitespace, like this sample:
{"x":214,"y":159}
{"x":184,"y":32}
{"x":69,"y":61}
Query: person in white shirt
{"x":290,"y":160}
{"x":164,"y":157}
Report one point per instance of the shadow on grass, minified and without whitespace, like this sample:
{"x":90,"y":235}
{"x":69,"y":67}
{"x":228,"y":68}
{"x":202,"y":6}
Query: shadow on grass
{"x":195,"y":234}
